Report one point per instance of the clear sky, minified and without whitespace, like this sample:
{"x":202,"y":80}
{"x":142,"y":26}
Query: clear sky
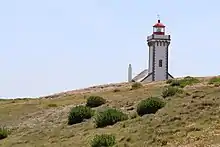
{"x":50,"y":46}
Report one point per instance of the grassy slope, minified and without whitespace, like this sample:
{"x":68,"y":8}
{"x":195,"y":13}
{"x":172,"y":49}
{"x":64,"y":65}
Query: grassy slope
{"x":191,"y":119}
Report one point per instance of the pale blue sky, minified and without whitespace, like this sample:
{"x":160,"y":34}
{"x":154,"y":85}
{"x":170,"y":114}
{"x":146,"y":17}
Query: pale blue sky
{"x":50,"y":46}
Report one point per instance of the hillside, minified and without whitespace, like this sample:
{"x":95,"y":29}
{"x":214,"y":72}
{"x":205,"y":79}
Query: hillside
{"x":189,"y":119}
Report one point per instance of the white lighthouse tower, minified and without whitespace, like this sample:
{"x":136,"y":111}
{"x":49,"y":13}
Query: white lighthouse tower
{"x":158,"y":44}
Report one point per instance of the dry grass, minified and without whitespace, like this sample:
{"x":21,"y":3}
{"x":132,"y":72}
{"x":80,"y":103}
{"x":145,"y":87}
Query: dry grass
{"x":188,"y":120}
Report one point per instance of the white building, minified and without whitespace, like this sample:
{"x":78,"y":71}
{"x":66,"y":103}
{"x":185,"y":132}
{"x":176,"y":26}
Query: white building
{"x":158,"y":44}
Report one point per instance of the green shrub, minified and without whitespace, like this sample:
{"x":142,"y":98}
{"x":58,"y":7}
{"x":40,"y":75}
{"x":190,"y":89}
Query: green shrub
{"x":214,"y":80}
{"x":188,"y":81}
{"x":169,"y":81}
{"x":95,"y":101}
{"x":183,"y":82}
{"x":3,"y":132}
{"x":78,"y":114}
{"x":103,"y":140}
{"x":52,"y":105}
{"x":109,"y":116}
{"x":150,"y":105}
{"x":136,"y":85}
{"x":170,"y":91}
{"x":175,"y":83}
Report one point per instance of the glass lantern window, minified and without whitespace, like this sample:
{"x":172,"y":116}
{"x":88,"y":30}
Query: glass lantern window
{"x":158,"y":29}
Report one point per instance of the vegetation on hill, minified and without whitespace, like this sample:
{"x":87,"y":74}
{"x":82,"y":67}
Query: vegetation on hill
{"x":95,"y":101}
{"x":171,"y":91}
{"x":136,"y":85}
{"x":78,"y":114}
{"x":109,"y":117}
{"x":150,"y":105}
{"x":183,"y":82}
{"x":103,"y":140}
{"x":177,"y":112}
{"x":215,"y":81}
{"x":3,"y":132}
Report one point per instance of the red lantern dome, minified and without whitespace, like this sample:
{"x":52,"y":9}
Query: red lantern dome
{"x":159,"y":28}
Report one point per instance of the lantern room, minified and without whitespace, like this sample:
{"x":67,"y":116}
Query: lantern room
{"x":159,"y":28}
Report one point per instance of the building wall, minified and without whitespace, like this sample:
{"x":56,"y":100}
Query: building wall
{"x":150,"y":59}
{"x":158,"y":50}
{"x":161,"y":73}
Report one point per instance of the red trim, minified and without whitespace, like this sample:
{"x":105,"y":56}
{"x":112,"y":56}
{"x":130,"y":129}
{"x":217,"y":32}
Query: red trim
{"x":159,"y":33}
{"x":159,"y":24}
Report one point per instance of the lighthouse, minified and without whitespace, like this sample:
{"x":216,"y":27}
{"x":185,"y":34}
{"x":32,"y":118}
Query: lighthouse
{"x":158,"y":48}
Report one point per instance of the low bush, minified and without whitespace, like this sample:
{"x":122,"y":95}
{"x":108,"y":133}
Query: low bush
{"x":95,"y":101}
{"x":183,"y":82}
{"x":136,"y":85}
{"x":171,"y":91}
{"x":175,"y":83}
{"x":150,"y":105}
{"x":3,"y":132}
{"x":169,"y":81}
{"x":109,"y":116}
{"x":78,"y":114}
{"x":188,"y":81}
{"x":104,"y":140}
{"x":52,"y":105}
{"x":214,"y":80}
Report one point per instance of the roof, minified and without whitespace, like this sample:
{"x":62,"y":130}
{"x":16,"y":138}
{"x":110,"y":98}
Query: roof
{"x":140,"y":76}
{"x":159,"y":24}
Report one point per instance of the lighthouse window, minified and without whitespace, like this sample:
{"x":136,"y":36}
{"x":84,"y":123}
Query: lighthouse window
{"x":158,"y":29}
{"x":160,"y":63}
